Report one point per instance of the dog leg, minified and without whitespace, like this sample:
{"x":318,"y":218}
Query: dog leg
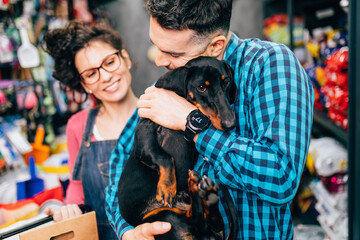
{"x":204,"y":205}
{"x":150,"y":153}
{"x":208,"y":192}
{"x":166,"y":188}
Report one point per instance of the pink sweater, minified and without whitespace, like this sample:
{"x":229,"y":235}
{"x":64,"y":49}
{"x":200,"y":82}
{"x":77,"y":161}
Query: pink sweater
{"x":74,"y":131}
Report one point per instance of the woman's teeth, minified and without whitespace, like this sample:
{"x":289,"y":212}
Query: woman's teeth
{"x":113,"y":86}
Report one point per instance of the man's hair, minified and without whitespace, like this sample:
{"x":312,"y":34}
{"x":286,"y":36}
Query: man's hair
{"x":63,"y":44}
{"x":205,"y":17}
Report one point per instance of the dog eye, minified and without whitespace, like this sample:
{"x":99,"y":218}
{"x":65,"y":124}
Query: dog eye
{"x":201,"y":88}
{"x":226,"y":81}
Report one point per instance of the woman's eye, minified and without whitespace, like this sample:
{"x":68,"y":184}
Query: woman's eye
{"x":110,"y":62}
{"x":90,"y":74}
{"x":201,"y":88}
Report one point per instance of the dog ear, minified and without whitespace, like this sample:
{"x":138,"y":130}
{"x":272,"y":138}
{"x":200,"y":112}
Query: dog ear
{"x":174,"y":81}
{"x":233,"y":88}
{"x":233,"y":93}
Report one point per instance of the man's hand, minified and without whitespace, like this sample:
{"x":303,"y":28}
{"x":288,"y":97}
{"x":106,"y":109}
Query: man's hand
{"x":164,"y":107}
{"x":64,"y":212}
{"x":147,"y":231}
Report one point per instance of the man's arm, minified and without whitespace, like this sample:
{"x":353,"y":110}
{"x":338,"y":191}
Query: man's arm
{"x":269,"y":157}
{"x":112,"y":207}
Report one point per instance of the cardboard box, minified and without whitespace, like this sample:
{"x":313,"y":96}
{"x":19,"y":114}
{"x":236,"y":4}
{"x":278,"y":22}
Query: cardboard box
{"x":82,"y":227}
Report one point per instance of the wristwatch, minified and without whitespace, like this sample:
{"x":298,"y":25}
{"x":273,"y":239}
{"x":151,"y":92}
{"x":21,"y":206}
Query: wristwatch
{"x":196,"y":122}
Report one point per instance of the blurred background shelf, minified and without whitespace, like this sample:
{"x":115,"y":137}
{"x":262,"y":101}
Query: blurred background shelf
{"x":324,"y":126}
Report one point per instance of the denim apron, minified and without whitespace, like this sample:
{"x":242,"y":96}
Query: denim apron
{"x":92,"y":168}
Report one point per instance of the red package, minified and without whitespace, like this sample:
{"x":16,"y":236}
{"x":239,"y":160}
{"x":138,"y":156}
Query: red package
{"x":280,"y":19}
{"x":336,"y":97}
{"x":317,"y":103}
{"x":336,"y":78}
{"x":338,"y":118}
{"x":339,"y":60}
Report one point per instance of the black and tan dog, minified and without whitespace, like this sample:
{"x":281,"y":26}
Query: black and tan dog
{"x":156,"y":184}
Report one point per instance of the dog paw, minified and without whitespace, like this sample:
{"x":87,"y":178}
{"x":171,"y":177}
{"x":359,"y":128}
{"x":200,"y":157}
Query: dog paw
{"x":193,"y":181}
{"x":166,"y":195}
{"x":204,"y":187}
{"x":208,"y":191}
{"x":166,"y":187}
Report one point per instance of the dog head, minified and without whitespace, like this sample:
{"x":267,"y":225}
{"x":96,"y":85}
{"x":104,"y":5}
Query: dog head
{"x":208,"y":83}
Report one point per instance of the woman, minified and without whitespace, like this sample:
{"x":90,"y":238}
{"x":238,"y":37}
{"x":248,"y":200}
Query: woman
{"x":91,"y":60}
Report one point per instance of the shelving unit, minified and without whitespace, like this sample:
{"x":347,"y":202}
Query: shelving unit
{"x":311,"y":7}
{"x":354,"y":121}
{"x":321,"y":123}
{"x":350,"y":138}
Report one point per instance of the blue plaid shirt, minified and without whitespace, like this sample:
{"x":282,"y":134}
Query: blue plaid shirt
{"x":262,"y":159}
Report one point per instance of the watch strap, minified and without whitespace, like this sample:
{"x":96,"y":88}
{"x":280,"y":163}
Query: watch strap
{"x":189,"y":134}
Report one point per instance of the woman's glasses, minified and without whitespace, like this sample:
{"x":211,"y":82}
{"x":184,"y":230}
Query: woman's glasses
{"x":110,"y":64}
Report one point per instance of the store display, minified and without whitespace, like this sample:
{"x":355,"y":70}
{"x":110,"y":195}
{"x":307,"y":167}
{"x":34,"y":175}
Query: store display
{"x":29,"y":188}
{"x":34,"y":108}
{"x":332,"y":211}
{"x":6,"y":50}
{"x":307,"y":232}
{"x":276,"y":29}
{"x":21,"y":210}
{"x":28,"y":54}
{"x":329,"y":156}
{"x":39,"y":152}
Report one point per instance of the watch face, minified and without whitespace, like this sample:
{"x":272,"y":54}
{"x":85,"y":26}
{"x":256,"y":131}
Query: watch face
{"x":199,"y":120}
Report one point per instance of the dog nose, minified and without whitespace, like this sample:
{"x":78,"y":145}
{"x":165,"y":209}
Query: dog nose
{"x":228,"y":124}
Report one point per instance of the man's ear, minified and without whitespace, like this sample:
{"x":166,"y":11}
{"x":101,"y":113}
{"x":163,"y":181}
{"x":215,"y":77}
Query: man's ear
{"x":217,"y":46}
{"x":174,"y":81}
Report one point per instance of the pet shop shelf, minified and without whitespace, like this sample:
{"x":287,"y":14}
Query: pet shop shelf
{"x":324,"y":125}
{"x":321,"y":13}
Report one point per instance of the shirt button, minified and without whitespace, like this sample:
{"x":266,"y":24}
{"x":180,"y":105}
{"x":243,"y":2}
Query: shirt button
{"x":206,"y":159}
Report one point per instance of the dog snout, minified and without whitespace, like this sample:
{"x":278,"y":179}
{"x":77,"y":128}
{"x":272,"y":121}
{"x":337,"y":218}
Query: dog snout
{"x":228,"y":122}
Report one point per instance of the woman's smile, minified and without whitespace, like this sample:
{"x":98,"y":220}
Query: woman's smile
{"x":113,"y":87}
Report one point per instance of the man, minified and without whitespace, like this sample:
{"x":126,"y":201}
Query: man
{"x":261,"y":160}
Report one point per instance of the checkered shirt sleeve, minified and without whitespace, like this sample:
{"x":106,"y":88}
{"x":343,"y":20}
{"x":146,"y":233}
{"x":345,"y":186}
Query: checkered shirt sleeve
{"x":262,"y":159}
{"x":117,"y":161}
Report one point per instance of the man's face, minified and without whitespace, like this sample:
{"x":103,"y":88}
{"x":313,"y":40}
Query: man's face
{"x":175,"y":48}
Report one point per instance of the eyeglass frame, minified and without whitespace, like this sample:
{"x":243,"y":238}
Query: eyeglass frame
{"x":118,"y":53}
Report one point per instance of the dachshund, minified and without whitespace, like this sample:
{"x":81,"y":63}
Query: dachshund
{"x":157,"y":183}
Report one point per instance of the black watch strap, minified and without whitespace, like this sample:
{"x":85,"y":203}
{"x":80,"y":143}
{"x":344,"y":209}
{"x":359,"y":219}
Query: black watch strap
{"x":189,"y":134}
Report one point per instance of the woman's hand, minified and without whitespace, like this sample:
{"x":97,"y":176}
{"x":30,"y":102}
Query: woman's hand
{"x":64,"y":212}
{"x":147,"y":231}
{"x":164,"y":107}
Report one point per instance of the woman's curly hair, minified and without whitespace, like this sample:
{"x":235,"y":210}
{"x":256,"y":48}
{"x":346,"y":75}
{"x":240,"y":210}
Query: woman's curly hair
{"x":62,"y":44}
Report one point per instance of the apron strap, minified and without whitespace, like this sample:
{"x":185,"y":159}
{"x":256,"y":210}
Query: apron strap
{"x":85,"y":142}
{"x":90,"y":125}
